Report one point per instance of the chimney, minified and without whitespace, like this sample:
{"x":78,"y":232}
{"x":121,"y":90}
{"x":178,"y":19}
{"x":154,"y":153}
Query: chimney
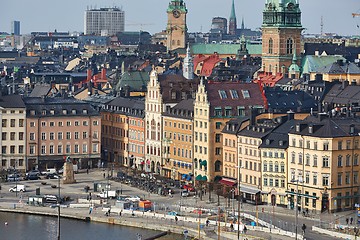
{"x":352,"y":129}
{"x":322,"y":116}
{"x":317,"y":53}
{"x":252,"y":116}
{"x":290,"y":115}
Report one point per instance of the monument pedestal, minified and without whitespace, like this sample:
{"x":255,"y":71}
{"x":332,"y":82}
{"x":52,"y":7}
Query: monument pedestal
{"x":68,"y":175}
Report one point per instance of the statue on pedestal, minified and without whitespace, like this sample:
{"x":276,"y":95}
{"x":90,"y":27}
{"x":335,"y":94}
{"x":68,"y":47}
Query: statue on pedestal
{"x":68,"y":175}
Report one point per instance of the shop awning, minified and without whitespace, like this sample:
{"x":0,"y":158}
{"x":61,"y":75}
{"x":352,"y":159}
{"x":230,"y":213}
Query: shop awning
{"x":228,"y":182}
{"x":203,"y":163}
{"x":201,"y":178}
{"x":302,"y":195}
{"x":249,"y":190}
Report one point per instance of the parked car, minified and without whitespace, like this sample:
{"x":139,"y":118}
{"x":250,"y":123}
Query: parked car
{"x":51,"y":199}
{"x":48,"y":171}
{"x":188,"y":187}
{"x":185,"y":193}
{"x":14,"y":177}
{"x":33,"y":172}
{"x":133,"y":198}
{"x":173,"y":213}
{"x":18,"y":188}
{"x":32,"y":177}
{"x":52,"y":176}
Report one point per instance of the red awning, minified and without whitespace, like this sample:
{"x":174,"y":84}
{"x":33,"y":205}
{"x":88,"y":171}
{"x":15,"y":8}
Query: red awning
{"x":228,"y":182}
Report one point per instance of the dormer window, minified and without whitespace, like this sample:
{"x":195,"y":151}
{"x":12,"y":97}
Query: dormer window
{"x":52,"y":112}
{"x":267,"y":142}
{"x":64,"y":111}
{"x":222,"y":94}
{"x":43,"y":112}
{"x":85,"y":111}
{"x":297,"y":129}
{"x":311,"y":129}
{"x":73,"y":111}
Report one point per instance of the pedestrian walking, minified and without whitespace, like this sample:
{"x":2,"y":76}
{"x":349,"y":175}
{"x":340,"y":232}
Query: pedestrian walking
{"x":231,"y":227}
{"x":176,"y":219}
{"x":120,"y":213}
{"x":87,"y":171}
{"x":108,"y":212}
{"x":347,"y":221}
{"x":351,"y":220}
{"x":207,"y":222}
{"x":245,"y":229}
{"x":104,"y":175}
{"x":90,"y":210}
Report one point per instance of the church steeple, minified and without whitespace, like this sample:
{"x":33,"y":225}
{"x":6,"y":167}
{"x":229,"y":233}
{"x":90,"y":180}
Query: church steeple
{"x":188,"y":67}
{"x":242,"y":23}
{"x":232,"y":20}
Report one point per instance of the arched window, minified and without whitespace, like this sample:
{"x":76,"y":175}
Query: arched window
{"x":271,"y":45}
{"x":217,"y":166}
{"x":282,"y":167}
{"x":289,"y":46}
{"x":276,"y":167}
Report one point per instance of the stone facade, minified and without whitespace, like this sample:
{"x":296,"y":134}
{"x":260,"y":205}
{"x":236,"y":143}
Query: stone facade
{"x":176,"y":29}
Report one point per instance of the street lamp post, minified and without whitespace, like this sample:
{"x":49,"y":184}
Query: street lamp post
{"x":239,"y":188}
{"x":58,"y":226}
{"x":296,"y":206}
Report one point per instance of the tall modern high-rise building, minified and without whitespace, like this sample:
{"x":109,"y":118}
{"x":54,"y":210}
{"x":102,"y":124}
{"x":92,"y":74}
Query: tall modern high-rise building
{"x":15,"y":27}
{"x":104,"y":21}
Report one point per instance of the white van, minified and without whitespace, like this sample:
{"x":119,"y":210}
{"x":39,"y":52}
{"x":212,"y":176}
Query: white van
{"x":18,"y":188}
{"x":50,"y":170}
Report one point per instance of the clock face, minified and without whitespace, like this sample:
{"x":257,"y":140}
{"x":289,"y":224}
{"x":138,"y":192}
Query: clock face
{"x":176,"y":13}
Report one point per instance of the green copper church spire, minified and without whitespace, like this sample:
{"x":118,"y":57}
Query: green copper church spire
{"x":232,"y":14}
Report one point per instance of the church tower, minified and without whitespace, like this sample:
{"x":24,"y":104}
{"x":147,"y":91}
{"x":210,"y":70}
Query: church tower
{"x":176,"y":29}
{"x":281,"y":35}
{"x":188,"y":67}
{"x":232,"y":20}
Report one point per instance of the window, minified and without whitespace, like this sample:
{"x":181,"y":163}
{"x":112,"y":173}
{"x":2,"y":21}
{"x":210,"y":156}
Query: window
{"x":308,"y":144}
{"x":76,"y":123}
{"x":3,"y":149}
{"x":356,"y":160}
{"x":84,"y":148}
{"x":21,"y":122}
{"x":292,"y":157}
{"x":356,"y":177}
{"x":339,"y":179}
{"x":76,"y":148}
{"x":21,"y":136}
{"x":234,"y":94}
{"x":348,"y":144}
{"x":76,"y":135}
{"x":4,"y":123}
{"x":218,"y":125}
{"x":217,"y":138}
{"x":12,"y":123}
{"x":60,"y":124}
{"x":265,"y":167}
{"x":325,"y":180}
{"x":51,"y":136}
{"x":270,"y":167}
{"x":68,"y":123}
{"x":300,"y":158}
{"x":95,"y":123}
{"x":222,"y":94}
{"x":43,"y":149}
{"x":43,"y":124}
{"x":95,"y":147}
{"x":307,"y":160}
{"x":265,"y":181}
{"x":325,"y":161}
{"x":85,"y":135}
{"x":315,"y":180}
{"x":43,"y":136}
{"x":4,"y":134}
{"x":282,"y":167}
{"x":315,"y":145}
{"x":339,"y":163}
{"x":347,"y":178}
{"x":60,"y":149}
{"x":32,"y":149}
{"x":68,"y":148}
{"x":245,"y":94}
{"x":68,"y":135}
{"x":315,"y":161}
{"x":271,"y":45}
{"x":289,"y":46}
{"x":51,"y":149}
{"x":326,"y":146}
{"x":60,"y":135}
{"x":339,"y":145}
{"x":52,"y":124}
{"x":32,"y":136}
{"x":85,"y":123}
{"x":347,"y":161}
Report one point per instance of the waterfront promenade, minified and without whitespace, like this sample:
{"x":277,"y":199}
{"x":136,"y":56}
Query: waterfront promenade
{"x":159,"y":221}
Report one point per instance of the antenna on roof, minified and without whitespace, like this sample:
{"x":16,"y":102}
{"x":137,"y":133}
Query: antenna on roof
{"x":322,"y":26}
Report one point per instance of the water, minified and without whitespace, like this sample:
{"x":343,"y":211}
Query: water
{"x":33,"y":227}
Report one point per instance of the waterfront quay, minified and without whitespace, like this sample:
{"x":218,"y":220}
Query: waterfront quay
{"x":187,"y":220}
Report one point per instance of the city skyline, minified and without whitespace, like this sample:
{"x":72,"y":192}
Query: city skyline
{"x":337,"y":17}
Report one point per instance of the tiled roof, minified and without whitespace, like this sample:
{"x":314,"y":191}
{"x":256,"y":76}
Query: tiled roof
{"x":55,"y":107}
{"x":127,"y":106}
{"x":232,"y":96}
{"x":184,"y":109}
{"x":327,"y":127}
{"x":225,"y":49}
{"x":136,"y":80}
{"x":311,"y":63}
{"x":233,"y":126}
{"x":11,"y":101}
{"x":175,"y":87}
{"x":343,"y":95}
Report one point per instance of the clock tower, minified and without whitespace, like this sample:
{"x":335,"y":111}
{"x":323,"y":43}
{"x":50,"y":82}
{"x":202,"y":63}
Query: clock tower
{"x":281,"y":35}
{"x":176,"y":29}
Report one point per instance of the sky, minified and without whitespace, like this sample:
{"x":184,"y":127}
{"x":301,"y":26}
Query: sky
{"x":150,"y":15}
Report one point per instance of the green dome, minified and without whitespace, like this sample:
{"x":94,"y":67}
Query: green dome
{"x":279,"y":5}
